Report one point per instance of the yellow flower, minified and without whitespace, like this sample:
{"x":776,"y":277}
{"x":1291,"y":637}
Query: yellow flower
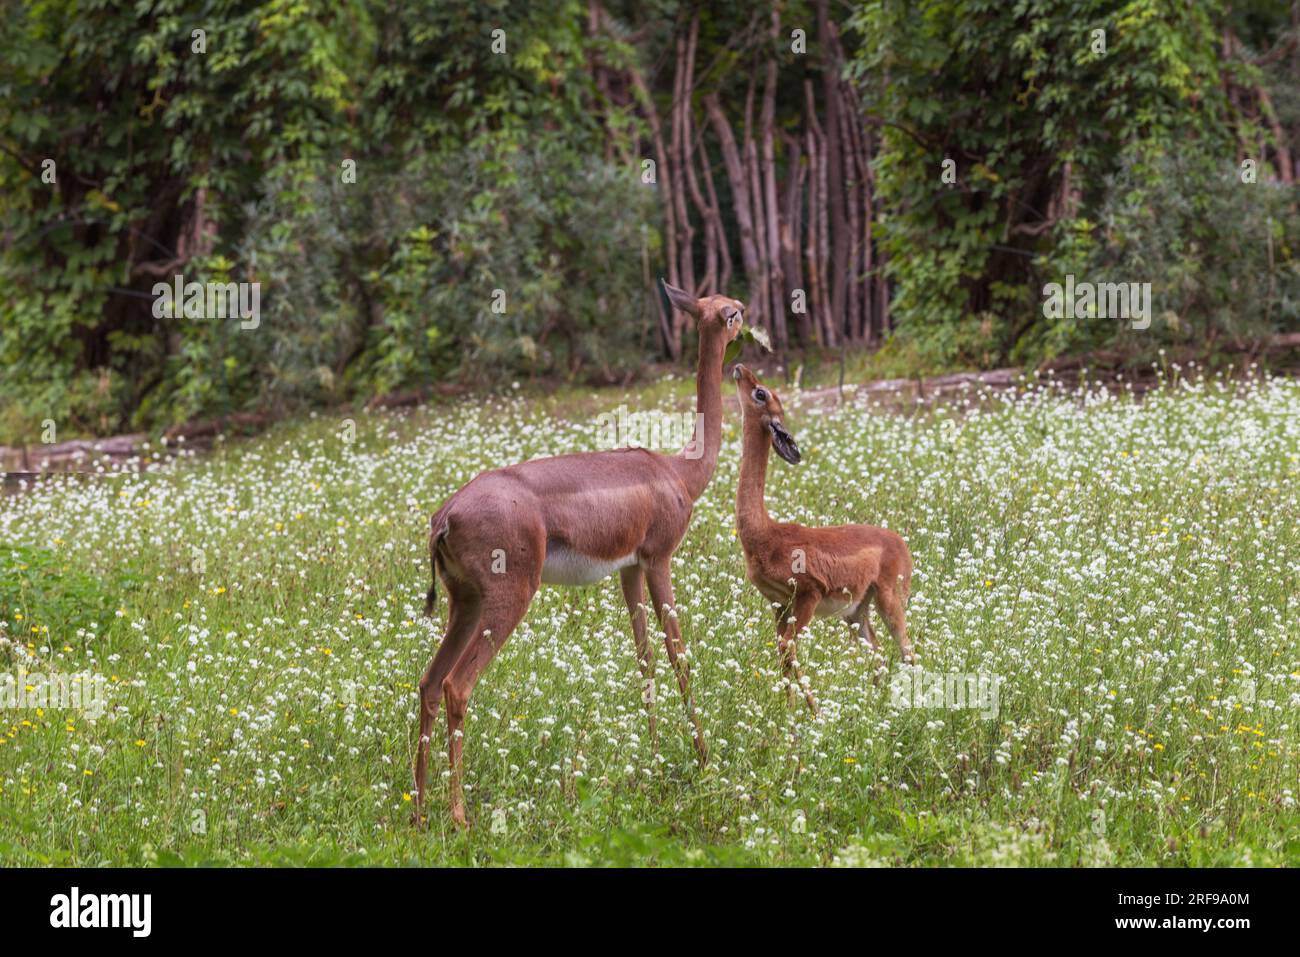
{"x":139,"y":742}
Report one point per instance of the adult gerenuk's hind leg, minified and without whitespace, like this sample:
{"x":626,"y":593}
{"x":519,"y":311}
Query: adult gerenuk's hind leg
{"x":502,"y":610}
{"x":659,"y":579}
{"x":462,"y":620}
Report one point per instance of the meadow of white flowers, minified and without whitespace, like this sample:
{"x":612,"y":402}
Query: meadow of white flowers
{"x":1122,"y":575}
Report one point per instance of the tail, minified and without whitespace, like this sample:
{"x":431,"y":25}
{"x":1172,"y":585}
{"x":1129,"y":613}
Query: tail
{"x":437,"y":532}
{"x":431,"y":596}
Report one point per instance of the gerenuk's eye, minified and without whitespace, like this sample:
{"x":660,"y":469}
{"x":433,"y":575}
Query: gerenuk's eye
{"x":760,"y":395}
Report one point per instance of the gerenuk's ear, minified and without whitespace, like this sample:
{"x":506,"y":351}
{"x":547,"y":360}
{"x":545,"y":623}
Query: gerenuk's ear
{"x":681,"y":299}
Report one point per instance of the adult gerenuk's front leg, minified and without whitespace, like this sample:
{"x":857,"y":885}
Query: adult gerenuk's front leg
{"x":659,"y":579}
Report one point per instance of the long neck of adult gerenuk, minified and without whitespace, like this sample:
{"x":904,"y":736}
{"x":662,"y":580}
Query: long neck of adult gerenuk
{"x":697,"y":462}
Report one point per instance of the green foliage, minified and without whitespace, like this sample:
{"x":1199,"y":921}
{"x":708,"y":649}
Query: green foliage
{"x":40,"y":592}
{"x":138,"y":127}
{"x":1220,"y":254}
{"x":1062,"y":151}
{"x":474,"y":171}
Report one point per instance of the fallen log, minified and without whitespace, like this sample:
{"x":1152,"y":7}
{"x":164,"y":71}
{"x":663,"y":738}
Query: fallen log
{"x":64,"y":456}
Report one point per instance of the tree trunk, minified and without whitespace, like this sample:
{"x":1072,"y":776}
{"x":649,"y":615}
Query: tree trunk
{"x":678,"y":148}
{"x":815,"y":306}
{"x":762,"y":280}
{"x":736,"y":179}
{"x":834,"y":157}
{"x":663,"y":182}
{"x":859,"y":160}
{"x":853,"y":311}
{"x":710,"y":218}
{"x":714,"y":233}
{"x":720,"y":231}
{"x":819,"y":183}
{"x":792,"y":229}
{"x":776,"y":274}
{"x":758,"y":279}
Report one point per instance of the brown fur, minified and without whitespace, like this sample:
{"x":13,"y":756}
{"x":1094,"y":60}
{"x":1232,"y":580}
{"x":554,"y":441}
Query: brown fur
{"x":841,"y":570}
{"x":599,"y":506}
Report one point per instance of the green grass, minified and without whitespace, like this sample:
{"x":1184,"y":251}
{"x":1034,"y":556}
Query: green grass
{"x":1129,"y":571}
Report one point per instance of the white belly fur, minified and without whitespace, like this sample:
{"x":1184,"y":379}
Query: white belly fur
{"x":833,"y":606}
{"x":837,"y":605}
{"x":565,"y":566}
